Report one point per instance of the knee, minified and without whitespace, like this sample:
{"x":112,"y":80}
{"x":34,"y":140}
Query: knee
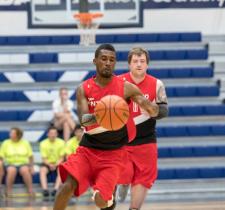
{"x":69,"y":186}
{"x":99,"y":201}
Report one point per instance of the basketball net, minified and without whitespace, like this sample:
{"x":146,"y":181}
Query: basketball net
{"x":88,"y":27}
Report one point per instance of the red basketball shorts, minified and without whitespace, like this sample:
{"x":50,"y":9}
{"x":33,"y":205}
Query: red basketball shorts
{"x":141,"y":167}
{"x":99,"y":169}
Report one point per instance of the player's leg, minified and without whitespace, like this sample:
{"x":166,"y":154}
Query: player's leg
{"x":108,"y":169}
{"x":10,"y":178}
{"x":114,"y":202}
{"x":64,"y":193}
{"x":75,"y":174}
{"x":27,"y":178}
{"x":44,"y":170}
{"x":145,"y":173}
{"x":125,"y":179}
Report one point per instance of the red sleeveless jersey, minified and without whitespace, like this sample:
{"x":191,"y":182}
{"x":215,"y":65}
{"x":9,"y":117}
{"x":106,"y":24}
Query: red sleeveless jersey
{"x":144,"y":124}
{"x":97,"y":136}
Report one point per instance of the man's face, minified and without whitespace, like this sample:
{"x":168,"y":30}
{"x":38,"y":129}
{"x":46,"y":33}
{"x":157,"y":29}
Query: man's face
{"x":13,"y":134}
{"x":64,"y":94}
{"x":105,"y":63}
{"x":138,"y":65}
{"x":52,"y":134}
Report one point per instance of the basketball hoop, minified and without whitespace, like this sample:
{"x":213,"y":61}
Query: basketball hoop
{"x":89,"y":27}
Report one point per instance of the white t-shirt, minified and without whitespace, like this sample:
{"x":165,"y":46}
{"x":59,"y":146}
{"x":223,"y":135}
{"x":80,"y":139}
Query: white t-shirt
{"x":58,"y":107}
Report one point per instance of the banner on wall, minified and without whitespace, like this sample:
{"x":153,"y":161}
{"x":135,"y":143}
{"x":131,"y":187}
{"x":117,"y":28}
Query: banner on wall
{"x":59,"y":13}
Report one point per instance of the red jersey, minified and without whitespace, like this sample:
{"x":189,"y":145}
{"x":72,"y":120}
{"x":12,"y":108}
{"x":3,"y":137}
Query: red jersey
{"x":96,"y":136}
{"x":145,"y":125}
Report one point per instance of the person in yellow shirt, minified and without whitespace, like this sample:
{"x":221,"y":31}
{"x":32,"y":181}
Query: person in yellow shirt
{"x":52,"y":152}
{"x":17,"y":156}
{"x":73,"y":143}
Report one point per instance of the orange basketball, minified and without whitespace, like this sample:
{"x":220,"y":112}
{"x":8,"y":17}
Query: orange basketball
{"x":112,"y":112}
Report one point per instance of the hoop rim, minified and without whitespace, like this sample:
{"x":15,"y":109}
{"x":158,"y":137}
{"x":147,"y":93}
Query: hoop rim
{"x":87,"y":18}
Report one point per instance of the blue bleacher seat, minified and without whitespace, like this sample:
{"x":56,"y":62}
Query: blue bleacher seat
{"x":8,"y":116}
{"x":39,"y":40}
{"x":105,"y":38}
{"x":205,"y":151}
{"x":172,"y":131}
{"x":164,"y":153}
{"x":43,"y":58}
{"x":185,"y":91}
{"x":23,"y":115}
{"x":197,"y":54}
{"x":125,"y":38}
{"x":192,"y":110}
{"x":20,"y":96}
{"x":214,"y":172}
{"x":199,"y":130}
{"x":3,"y":78}
{"x":160,"y":132}
{"x":51,"y":76}
{"x":175,"y":54}
{"x":208,"y":91}
{"x":175,"y":111}
{"x":221,"y":150}
{"x":169,"y":37}
{"x":218,"y":130}
{"x":4,"y":135}
{"x":147,"y":37}
{"x":181,"y":152}
{"x":159,"y":73}
{"x":180,"y":73}
{"x":6,"y":96}
{"x":89,"y":75}
{"x":187,"y":173}
{"x":18,"y":40}
{"x":166,"y":174}
{"x":190,"y":37}
{"x":202,"y":72}
{"x":215,"y":109}
{"x":60,"y":40}
{"x":122,"y":56}
{"x":157,"y":55}
{"x":170,"y":92}
{"x":3,"y":40}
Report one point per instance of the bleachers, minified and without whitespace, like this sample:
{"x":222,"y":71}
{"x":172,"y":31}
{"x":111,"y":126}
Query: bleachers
{"x":115,"y":38}
{"x":196,"y":111}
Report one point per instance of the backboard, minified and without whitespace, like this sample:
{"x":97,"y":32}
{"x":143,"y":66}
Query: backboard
{"x":59,"y":13}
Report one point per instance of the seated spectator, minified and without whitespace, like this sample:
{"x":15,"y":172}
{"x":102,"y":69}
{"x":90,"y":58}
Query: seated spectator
{"x":63,"y":118}
{"x":1,"y":176}
{"x":73,"y":143}
{"x":17,"y":156}
{"x":52,"y":152}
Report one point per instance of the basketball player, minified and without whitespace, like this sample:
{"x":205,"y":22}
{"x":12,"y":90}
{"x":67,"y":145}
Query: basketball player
{"x":99,"y":159}
{"x":141,"y":169}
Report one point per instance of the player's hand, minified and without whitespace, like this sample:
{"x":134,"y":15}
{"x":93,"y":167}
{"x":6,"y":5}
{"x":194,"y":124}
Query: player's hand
{"x":88,"y":119}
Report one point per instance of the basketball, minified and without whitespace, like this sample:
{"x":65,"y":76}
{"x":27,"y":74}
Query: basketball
{"x":112,"y":112}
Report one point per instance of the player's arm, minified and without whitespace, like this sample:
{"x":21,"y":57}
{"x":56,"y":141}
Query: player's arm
{"x":161,"y":100}
{"x":133,"y":92}
{"x":86,"y":119}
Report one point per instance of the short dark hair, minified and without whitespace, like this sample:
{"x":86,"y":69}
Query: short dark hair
{"x":138,"y":51}
{"x":19,"y":132}
{"x":52,"y":128}
{"x":104,"y":47}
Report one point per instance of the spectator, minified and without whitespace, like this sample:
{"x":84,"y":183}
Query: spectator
{"x":17,"y":155}
{"x":73,"y":143}
{"x":52,"y":152}
{"x":63,"y":118}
